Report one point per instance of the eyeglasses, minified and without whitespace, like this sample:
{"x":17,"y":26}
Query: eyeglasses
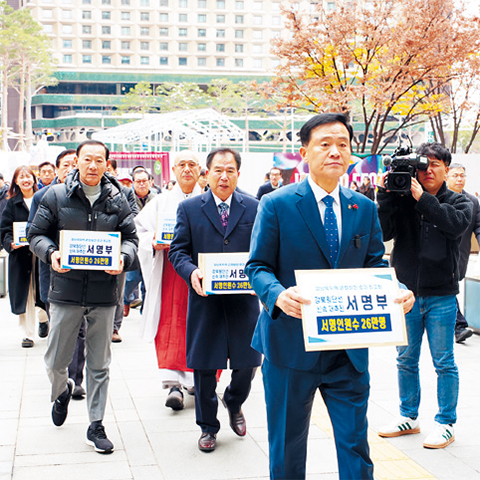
{"x":458,"y":175}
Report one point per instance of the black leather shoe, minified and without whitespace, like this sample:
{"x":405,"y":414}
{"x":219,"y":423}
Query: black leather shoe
{"x":237,"y":421}
{"x":43,"y":329}
{"x":60,"y":405}
{"x":207,"y":442}
{"x":463,"y":334}
{"x":175,"y":399}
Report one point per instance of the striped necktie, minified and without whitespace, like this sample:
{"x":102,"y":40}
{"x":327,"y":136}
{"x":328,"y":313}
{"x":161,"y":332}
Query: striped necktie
{"x":331,"y":227}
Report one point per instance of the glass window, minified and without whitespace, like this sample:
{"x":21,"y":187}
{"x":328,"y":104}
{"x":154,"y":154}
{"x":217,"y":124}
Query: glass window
{"x":257,"y":63}
{"x":257,"y":20}
{"x":239,"y":62}
{"x":220,"y":62}
{"x":106,"y":15}
{"x":164,"y":3}
{"x":144,"y":60}
{"x":331,"y":6}
{"x":163,"y":32}
{"x":68,"y":29}
{"x":257,"y":34}
{"x":238,"y":33}
{"x":144,"y":31}
{"x":86,"y":59}
{"x":221,"y":4}
{"x":144,"y":3}
{"x":106,"y":30}
{"x":163,"y":60}
{"x":238,"y":18}
{"x":182,"y":61}
{"x":125,"y":60}
{"x":182,"y":17}
{"x":163,"y":46}
{"x":220,"y":33}
{"x":202,"y":4}
{"x":67,"y":44}
{"x":202,"y":47}
{"x":257,"y":5}
{"x":125,"y":16}
{"x":183,"y":3}
{"x":66,"y":14}
{"x":239,"y":5}
{"x":144,"y":16}
{"x":220,"y":18}
{"x":182,"y":46}
{"x":257,"y":49}
{"x":86,"y":14}
{"x":144,"y":46}
{"x":276,"y":20}
{"x":86,"y":44}
{"x":67,"y":59}
{"x":125,"y":30}
{"x":202,"y":62}
{"x":202,"y":18}
{"x":202,"y":32}
{"x":239,"y":48}
{"x":125,"y":2}
{"x":106,"y":2}
{"x":220,"y":47}
{"x":182,"y":32}
{"x":164,"y":17}
{"x":125,"y":45}
{"x":106,"y":44}
{"x":107,"y":59}
{"x":49,"y":14}
{"x":86,"y":2}
{"x":86,"y":29}
{"x":48,"y":28}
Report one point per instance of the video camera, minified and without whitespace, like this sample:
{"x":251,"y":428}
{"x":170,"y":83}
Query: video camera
{"x":403,"y":166}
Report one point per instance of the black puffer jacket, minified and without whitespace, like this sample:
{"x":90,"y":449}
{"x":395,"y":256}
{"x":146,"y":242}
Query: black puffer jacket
{"x":65,"y":207}
{"x":426,"y":238}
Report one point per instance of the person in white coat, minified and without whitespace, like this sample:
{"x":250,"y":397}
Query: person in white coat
{"x":164,"y":314}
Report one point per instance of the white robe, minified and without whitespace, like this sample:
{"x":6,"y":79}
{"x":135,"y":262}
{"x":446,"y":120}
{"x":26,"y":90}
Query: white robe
{"x":152,"y":263}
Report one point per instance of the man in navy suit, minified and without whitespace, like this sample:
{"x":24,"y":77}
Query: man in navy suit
{"x":219,"y":327}
{"x":290,"y":234}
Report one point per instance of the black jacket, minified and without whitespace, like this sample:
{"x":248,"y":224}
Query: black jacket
{"x":65,"y":207}
{"x":426,"y":238}
{"x":466,"y":243}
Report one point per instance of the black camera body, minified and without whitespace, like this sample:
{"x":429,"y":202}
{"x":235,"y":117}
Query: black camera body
{"x":403,"y":167}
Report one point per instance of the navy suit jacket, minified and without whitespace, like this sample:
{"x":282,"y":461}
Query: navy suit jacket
{"x":218,"y":326}
{"x":289,"y":235}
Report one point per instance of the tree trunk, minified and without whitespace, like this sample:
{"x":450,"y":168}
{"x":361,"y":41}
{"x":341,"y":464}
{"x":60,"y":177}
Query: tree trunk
{"x":21,"y":107}
{"x":4,"y":138}
{"x":28,"y":112}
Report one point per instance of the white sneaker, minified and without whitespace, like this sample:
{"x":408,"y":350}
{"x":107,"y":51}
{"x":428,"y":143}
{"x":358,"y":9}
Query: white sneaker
{"x":400,"y":426}
{"x":441,"y":436}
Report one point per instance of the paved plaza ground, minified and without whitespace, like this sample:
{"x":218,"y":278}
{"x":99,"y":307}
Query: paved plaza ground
{"x":155,"y":443}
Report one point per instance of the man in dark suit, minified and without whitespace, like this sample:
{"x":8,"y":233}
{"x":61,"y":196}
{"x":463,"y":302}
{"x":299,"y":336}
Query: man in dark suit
{"x":275,"y":176}
{"x":290,"y":233}
{"x":456,"y":179}
{"x":219,"y":327}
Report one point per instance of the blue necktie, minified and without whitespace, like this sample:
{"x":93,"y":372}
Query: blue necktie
{"x":223,"y":210}
{"x":331,"y":227}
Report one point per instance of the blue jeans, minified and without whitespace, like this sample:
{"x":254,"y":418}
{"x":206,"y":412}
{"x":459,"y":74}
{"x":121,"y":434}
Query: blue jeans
{"x":436,"y":316}
{"x":132,"y":279}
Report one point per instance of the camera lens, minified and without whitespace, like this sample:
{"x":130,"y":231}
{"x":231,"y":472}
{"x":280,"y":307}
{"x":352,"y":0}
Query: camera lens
{"x":399,"y":182}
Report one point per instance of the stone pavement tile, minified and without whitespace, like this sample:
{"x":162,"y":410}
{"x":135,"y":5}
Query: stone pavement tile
{"x":99,"y":470}
{"x":148,"y":472}
{"x":75,"y":459}
{"x":8,"y":432}
{"x":233,"y":458}
{"x":136,"y":443}
{"x":321,"y":456}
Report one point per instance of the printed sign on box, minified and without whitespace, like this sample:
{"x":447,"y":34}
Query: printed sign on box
{"x":351,"y":308}
{"x":20,"y":233}
{"x":86,"y":250}
{"x":165,"y":226}
{"x":224,"y":273}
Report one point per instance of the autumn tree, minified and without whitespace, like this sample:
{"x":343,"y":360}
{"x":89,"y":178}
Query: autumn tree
{"x":378,"y":60}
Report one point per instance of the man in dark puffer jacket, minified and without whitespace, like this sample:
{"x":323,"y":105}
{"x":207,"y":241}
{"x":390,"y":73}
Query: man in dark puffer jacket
{"x":88,"y":200}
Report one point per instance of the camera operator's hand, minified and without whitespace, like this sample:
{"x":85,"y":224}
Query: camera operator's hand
{"x":416,"y":189}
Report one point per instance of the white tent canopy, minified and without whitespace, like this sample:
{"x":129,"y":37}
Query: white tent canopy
{"x":196,"y":129}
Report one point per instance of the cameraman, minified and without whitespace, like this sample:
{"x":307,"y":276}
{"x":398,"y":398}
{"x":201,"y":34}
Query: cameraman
{"x":427,"y":227}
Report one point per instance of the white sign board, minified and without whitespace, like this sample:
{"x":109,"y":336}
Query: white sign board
{"x":224,"y":273}
{"x":86,"y":250}
{"x":351,"y":308}
{"x":20,"y":233}
{"x":165,"y":226}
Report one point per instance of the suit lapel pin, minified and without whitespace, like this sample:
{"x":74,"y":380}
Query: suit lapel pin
{"x":354,"y":206}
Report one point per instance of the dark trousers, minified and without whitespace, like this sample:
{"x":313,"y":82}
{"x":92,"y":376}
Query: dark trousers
{"x":206,"y":401}
{"x":460,"y":322}
{"x":77,"y":365}
{"x":289,"y":396}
